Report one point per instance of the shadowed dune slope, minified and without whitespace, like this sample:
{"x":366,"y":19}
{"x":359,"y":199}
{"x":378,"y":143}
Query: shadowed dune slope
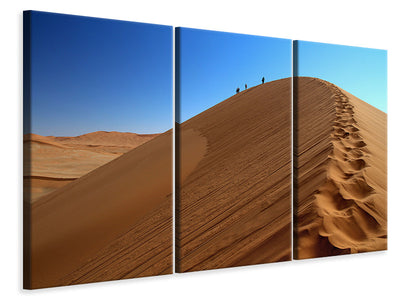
{"x":340,"y":169}
{"x":113,"y":223}
{"x":234,"y":202}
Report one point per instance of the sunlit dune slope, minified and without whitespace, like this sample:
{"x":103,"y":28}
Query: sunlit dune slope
{"x":234,"y":181}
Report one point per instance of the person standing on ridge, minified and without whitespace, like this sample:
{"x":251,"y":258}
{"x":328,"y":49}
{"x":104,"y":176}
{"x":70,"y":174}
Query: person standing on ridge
{"x":237,"y":90}
{"x":263,"y":79}
{"x":245,"y":86}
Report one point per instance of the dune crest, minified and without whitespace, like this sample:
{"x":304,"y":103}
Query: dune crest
{"x":346,"y":213}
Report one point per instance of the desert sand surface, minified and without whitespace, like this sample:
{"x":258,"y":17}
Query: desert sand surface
{"x":114,"y":222}
{"x":340,"y":166}
{"x":56,"y":161}
{"x":234,"y":181}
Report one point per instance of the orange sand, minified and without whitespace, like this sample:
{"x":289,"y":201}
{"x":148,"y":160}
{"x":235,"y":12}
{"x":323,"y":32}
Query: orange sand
{"x":341,"y":163}
{"x":52,"y":162}
{"x":112,"y":223}
{"x":234,"y":186}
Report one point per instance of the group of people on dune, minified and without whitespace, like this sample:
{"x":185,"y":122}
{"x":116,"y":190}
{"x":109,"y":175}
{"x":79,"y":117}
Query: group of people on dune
{"x":245,"y":86}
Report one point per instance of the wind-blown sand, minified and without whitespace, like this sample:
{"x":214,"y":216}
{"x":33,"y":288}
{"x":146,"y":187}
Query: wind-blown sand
{"x":341,"y":168}
{"x":53,"y":162}
{"x":234,"y":181}
{"x":113,"y":223}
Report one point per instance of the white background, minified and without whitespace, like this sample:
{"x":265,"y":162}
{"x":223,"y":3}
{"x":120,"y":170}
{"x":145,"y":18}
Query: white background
{"x":365,"y":23}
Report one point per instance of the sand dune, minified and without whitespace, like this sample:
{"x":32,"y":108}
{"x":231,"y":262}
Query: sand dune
{"x":340,"y":161}
{"x":113,"y":223}
{"x":234,"y":185}
{"x":104,"y":138}
{"x":56,"y":161}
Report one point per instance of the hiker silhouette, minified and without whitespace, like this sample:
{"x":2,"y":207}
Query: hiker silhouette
{"x":263,"y":79}
{"x":245,"y":86}
{"x":237,"y":90}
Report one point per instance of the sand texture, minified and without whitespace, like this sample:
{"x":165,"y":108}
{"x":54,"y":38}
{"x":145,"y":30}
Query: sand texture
{"x":234,"y":181}
{"x":112,"y":223}
{"x":52,"y":162}
{"x":340,"y":169}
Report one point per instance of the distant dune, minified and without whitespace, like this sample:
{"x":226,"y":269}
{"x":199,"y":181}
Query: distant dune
{"x":234,"y":181}
{"x":341,"y":168}
{"x":56,"y":161}
{"x":114,"y":222}
{"x":105,"y":138}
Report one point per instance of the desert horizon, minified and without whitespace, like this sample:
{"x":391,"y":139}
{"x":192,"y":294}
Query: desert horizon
{"x":54,"y":161}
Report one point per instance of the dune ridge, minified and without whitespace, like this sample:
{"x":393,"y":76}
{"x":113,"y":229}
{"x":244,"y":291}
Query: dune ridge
{"x":346,"y":211}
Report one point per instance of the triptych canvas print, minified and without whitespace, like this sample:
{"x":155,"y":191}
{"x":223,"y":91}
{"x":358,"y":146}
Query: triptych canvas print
{"x":279,"y":150}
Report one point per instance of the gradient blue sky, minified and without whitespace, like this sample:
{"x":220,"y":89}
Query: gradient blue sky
{"x":213,"y":64}
{"x":360,"y":71}
{"x":91,"y":74}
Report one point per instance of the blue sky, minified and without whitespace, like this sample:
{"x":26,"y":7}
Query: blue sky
{"x":91,"y":74}
{"x":213,"y":64}
{"x":360,"y":71}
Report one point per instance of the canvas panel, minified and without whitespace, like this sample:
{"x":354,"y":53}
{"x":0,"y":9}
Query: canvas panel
{"x":340,"y":150}
{"x":233,"y":141}
{"x":97,"y":149}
